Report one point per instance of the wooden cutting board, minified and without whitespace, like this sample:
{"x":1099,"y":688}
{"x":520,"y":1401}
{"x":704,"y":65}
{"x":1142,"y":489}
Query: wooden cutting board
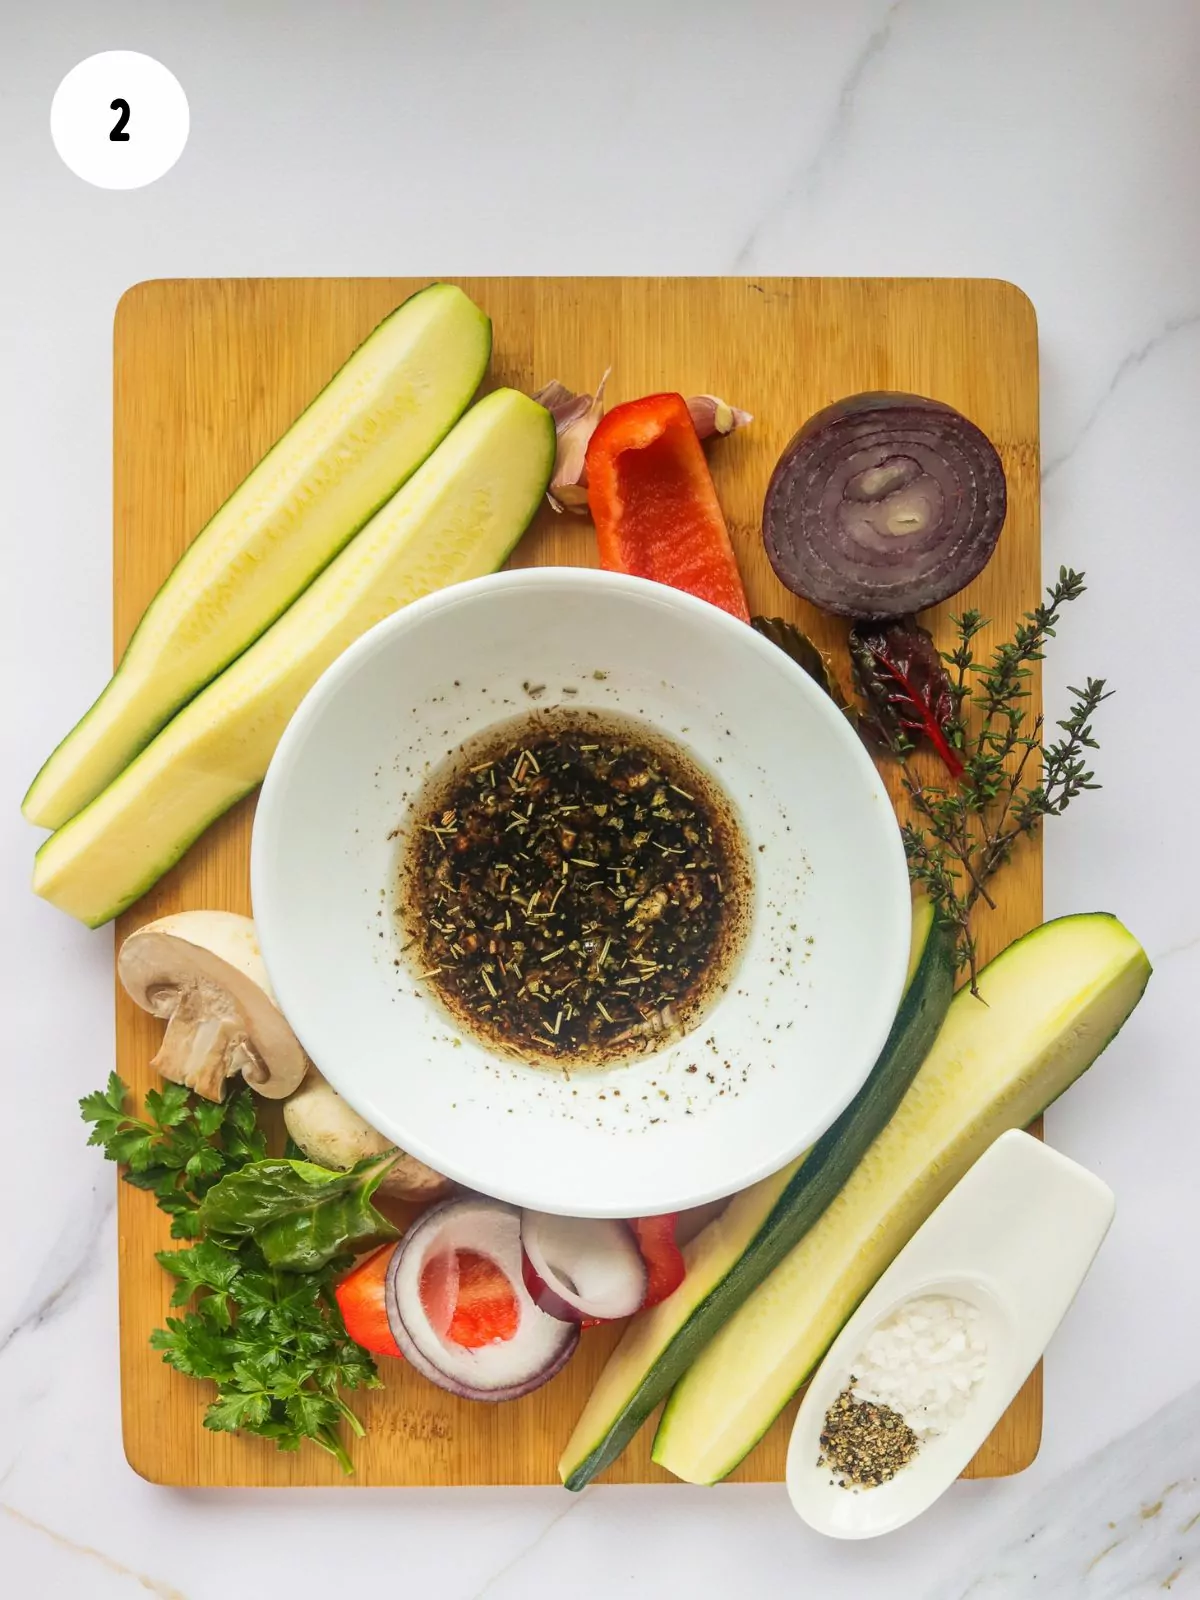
{"x":208,"y":373}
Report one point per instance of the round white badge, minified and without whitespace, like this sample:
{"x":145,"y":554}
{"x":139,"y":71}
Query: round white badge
{"x":119,"y":119}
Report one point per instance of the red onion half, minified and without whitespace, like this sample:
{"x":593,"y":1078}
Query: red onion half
{"x":884,"y":504}
{"x":504,"y":1369}
{"x":582,"y":1269}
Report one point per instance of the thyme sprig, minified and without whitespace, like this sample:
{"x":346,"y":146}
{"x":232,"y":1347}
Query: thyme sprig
{"x":1011,"y":777}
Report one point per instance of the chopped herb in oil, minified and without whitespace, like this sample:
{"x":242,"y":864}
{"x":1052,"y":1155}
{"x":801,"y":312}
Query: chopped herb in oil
{"x":605,"y":924}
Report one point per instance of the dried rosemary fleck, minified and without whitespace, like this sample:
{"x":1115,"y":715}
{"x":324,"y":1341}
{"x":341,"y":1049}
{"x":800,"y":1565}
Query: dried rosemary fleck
{"x":863,"y":1443}
{"x":568,"y":894}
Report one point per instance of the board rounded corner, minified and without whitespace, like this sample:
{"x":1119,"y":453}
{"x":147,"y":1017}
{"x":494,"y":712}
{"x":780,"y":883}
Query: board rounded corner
{"x":129,"y":301}
{"x":142,"y":1466}
{"x":1019,"y":299}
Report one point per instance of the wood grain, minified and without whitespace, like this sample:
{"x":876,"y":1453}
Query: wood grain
{"x":208,"y":373}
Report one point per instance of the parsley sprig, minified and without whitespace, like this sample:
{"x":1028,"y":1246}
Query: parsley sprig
{"x":179,"y":1148}
{"x":272,"y":1341}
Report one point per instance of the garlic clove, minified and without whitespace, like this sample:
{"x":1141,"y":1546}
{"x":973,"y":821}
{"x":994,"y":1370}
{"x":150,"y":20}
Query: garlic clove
{"x":712,"y":415}
{"x":564,"y":406}
{"x":570,"y":497}
{"x":575,"y":418}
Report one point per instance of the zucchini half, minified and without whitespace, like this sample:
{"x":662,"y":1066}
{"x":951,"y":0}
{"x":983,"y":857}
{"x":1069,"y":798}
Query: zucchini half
{"x":368,"y":430}
{"x":1051,"y":1002}
{"x":458,"y":517}
{"x":756,"y":1230}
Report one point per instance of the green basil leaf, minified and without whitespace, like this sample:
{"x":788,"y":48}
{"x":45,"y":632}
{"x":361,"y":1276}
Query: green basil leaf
{"x":300,"y":1215}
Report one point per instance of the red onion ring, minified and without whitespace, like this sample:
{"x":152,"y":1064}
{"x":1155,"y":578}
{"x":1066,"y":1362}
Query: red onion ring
{"x":506,"y":1370}
{"x":582,"y":1269}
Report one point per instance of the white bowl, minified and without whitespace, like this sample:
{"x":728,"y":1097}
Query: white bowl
{"x":779,"y":1053}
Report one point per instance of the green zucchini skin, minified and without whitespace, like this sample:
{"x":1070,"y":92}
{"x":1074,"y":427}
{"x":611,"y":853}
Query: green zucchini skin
{"x":173,"y":652}
{"x":1051,"y":1003}
{"x":821,"y":1174}
{"x":217,"y":749}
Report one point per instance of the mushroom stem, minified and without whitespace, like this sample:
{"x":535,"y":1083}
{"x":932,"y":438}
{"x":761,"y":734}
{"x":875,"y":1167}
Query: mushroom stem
{"x":196,"y":1050}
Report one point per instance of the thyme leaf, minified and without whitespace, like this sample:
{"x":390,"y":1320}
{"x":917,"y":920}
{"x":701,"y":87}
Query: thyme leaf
{"x":966,"y":828}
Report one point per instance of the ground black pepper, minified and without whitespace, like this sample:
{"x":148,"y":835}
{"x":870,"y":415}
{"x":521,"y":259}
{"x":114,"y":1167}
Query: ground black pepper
{"x":864,"y":1444}
{"x":574,"y":890}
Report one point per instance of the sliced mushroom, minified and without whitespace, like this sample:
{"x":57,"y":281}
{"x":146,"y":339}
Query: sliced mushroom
{"x":202,"y":972}
{"x":332,"y":1133}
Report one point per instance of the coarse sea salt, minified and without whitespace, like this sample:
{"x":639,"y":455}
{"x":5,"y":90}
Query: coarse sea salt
{"x":924,"y":1361}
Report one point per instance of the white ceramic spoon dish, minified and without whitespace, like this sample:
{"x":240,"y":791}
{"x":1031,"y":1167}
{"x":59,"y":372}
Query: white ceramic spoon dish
{"x":1014,"y":1239}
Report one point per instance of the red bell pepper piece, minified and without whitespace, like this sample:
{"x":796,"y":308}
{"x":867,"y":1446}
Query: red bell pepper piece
{"x":361,"y":1299}
{"x":485,"y":1307}
{"x":654,"y":505}
{"x":483,"y":1311}
{"x":665,"y":1270}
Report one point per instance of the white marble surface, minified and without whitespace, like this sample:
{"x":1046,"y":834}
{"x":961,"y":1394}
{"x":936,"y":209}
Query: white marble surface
{"x":1052,"y":142}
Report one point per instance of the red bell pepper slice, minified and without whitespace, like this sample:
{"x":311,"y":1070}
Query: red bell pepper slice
{"x":468,"y":1291}
{"x":360,"y":1297}
{"x":664,"y":1260}
{"x":654,"y":505}
{"x":484,"y":1309}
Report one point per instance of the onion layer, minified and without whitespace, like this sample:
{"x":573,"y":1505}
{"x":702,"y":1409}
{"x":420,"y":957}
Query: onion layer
{"x":884,"y":504}
{"x":582,"y":1269}
{"x":513,"y":1363}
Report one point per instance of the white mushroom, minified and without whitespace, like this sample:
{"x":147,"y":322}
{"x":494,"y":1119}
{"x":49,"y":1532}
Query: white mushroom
{"x":202,"y":972}
{"x":331,"y":1133}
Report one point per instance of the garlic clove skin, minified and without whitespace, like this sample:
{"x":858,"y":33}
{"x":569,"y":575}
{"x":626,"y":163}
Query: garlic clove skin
{"x":202,"y":972}
{"x":713,"y":416}
{"x":564,"y":406}
{"x":570,"y":497}
{"x":575,"y":418}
